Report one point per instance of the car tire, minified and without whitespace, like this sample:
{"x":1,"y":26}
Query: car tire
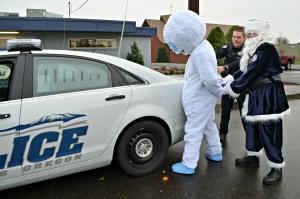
{"x":142,"y":148}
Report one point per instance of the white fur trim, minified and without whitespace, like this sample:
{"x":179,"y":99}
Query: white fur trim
{"x":250,"y":48}
{"x":230,"y":78}
{"x":228,"y":89}
{"x":245,"y":106}
{"x":254,"y":153}
{"x":269,"y":117}
{"x":276,"y":165}
{"x":261,"y":118}
{"x":268,"y":40}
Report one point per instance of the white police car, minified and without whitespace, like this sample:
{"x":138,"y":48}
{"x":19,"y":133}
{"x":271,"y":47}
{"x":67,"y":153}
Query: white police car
{"x":63,"y":112}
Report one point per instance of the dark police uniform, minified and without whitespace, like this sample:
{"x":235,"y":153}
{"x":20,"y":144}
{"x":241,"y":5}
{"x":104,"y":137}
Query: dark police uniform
{"x":232,"y":64}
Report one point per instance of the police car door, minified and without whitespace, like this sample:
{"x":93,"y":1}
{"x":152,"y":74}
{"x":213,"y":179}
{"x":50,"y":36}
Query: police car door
{"x":11,"y":144}
{"x":71,"y":111}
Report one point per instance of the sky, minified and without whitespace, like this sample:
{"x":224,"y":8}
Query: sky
{"x":283,"y":16}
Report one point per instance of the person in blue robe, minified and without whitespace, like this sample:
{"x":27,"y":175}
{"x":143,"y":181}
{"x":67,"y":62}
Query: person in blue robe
{"x":265,"y":103}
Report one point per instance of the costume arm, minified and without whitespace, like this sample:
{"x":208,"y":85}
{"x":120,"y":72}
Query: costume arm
{"x":209,"y":76}
{"x":237,"y":74}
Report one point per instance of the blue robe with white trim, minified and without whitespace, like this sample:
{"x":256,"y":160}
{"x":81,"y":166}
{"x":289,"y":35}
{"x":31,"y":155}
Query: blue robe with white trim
{"x":268,"y":102}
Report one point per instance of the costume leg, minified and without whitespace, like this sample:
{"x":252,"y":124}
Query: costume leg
{"x":271,"y":136}
{"x":194,"y":127}
{"x":211,"y":137}
{"x":253,"y":146}
{"x":226,"y":105}
{"x":253,"y":139}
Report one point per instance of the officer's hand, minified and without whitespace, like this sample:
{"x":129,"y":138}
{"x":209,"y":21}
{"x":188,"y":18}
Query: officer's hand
{"x":221,"y":69}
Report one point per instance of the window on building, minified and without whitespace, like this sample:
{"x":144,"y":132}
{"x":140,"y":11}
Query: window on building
{"x":53,"y":75}
{"x":86,"y":43}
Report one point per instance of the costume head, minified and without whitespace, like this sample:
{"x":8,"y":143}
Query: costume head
{"x":257,"y":26}
{"x":261,"y":29}
{"x":184,"y":31}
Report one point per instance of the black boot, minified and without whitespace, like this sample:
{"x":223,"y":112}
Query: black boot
{"x":273,"y":177}
{"x":247,"y":161}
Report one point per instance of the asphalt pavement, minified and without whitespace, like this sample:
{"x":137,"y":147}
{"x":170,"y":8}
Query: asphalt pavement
{"x":212,"y":180}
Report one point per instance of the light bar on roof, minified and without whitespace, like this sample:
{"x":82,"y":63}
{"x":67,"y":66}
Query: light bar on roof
{"x":23,"y":44}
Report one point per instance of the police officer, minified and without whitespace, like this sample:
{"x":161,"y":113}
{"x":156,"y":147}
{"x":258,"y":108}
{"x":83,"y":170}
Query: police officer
{"x":232,"y":54}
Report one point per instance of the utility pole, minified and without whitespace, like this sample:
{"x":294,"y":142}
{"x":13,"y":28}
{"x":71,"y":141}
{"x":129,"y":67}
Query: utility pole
{"x":194,"y":6}
{"x":69,"y":9}
{"x":122,"y":33}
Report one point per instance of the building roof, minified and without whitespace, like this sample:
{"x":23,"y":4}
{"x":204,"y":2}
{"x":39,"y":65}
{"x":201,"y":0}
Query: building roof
{"x":164,"y":18}
{"x":159,"y":24}
{"x":73,"y":25}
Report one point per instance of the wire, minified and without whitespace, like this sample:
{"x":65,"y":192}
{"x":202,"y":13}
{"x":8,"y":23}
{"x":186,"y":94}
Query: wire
{"x":79,"y":6}
{"x":119,"y":51}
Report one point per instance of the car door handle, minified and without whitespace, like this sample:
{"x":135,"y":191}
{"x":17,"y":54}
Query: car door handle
{"x":115,"y":97}
{"x":4,"y":116}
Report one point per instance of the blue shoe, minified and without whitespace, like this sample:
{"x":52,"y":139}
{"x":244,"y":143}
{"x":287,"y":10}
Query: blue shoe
{"x":180,"y":168}
{"x":215,"y":158}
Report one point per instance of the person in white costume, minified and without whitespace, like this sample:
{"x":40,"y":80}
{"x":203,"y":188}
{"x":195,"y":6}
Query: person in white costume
{"x":184,"y":33}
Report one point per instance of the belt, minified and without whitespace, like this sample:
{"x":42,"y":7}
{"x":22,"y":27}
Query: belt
{"x":264,"y":82}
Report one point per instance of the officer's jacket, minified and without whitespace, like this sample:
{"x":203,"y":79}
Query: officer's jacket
{"x":232,"y":57}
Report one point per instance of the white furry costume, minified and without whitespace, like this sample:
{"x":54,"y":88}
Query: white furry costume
{"x":184,"y":33}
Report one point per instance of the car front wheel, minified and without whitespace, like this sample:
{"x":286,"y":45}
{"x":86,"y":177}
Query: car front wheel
{"x":142,"y":148}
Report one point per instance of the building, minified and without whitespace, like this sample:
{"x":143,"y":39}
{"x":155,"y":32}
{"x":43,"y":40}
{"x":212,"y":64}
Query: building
{"x":158,"y":41}
{"x":100,"y":36}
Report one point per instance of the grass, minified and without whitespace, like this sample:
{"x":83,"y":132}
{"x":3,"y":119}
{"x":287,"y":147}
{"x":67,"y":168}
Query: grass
{"x":297,"y":62}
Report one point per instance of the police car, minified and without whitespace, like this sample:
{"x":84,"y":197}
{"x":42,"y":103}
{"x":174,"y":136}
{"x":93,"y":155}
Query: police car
{"x":63,"y":112}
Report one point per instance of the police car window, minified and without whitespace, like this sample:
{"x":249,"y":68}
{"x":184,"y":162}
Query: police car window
{"x":53,"y":75}
{"x":5,"y":74}
{"x":129,"y":78}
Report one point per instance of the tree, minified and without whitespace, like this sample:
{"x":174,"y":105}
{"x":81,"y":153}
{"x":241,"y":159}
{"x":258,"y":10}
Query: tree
{"x":135,"y":55}
{"x":228,"y":36}
{"x":162,"y":55}
{"x":216,"y":38}
{"x":282,"y":44}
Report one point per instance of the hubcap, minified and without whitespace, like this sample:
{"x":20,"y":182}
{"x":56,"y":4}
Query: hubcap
{"x":144,"y":147}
